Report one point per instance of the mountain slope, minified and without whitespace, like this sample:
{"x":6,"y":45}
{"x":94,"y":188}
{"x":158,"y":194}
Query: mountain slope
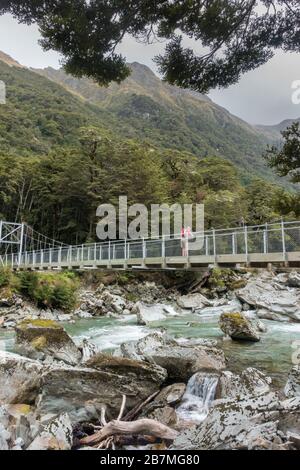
{"x":147,"y":108}
{"x":39,"y":113}
{"x":45,"y":108}
{"x":274,"y":132}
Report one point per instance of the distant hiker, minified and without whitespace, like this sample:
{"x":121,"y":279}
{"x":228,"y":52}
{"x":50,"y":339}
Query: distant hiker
{"x":185,"y":235}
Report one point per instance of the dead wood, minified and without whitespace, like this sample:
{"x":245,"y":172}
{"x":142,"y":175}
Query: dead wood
{"x":140,"y":427}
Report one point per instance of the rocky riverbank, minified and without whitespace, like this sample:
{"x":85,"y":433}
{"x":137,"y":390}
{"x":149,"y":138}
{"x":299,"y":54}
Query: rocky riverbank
{"x":263,"y":296}
{"x":172,"y":392}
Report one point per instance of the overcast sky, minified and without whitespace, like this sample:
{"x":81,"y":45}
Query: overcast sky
{"x":261,"y":97}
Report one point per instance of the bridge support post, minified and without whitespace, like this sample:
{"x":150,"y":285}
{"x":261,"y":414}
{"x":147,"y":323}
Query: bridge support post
{"x":233,"y":244}
{"x":283,"y":244}
{"x":109,"y":254}
{"x":163,"y":252}
{"x":206,"y":246}
{"x":125,"y":254}
{"x":266,"y":240}
{"x":59,"y":257}
{"x":246,"y":244}
{"x":214,"y":245}
{"x":21,"y":244}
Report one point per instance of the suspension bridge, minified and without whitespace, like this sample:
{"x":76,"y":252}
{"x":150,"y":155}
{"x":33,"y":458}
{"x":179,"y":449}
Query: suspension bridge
{"x":22,"y":248}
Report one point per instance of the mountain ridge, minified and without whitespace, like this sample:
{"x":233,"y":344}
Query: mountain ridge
{"x":142,"y":108}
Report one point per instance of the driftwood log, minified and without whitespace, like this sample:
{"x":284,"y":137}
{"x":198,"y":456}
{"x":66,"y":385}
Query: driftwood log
{"x":106,"y":436}
{"x":144,"y":426}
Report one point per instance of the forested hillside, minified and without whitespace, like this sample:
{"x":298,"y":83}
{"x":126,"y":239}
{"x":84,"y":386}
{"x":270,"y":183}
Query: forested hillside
{"x":62,"y":154}
{"x":147,"y":108}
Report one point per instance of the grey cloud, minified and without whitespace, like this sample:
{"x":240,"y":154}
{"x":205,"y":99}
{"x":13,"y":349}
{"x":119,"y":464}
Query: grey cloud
{"x":262,"y":96}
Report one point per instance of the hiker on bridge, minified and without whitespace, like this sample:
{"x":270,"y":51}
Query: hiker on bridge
{"x":185,"y":235}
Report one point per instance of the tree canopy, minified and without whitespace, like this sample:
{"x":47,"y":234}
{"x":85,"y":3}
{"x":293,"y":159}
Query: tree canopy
{"x":286,"y":160}
{"x":235,"y":35}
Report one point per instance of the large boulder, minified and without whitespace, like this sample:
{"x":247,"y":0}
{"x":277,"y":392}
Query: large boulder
{"x":233,"y":424}
{"x":193,"y":301}
{"x":292,"y":388}
{"x":147,"y":313}
{"x":238,"y":327}
{"x":149,"y":343}
{"x":83,"y":391}
{"x":251,"y":382}
{"x":271,"y":297}
{"x":20,"y":378}
{"x":180,"y":361}
{"x":144,"y":372}
{"x":44,"y":339}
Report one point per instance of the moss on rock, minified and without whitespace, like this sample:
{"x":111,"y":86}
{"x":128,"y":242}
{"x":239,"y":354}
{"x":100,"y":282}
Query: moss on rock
{"x":38,"y":323}
{"x":238,"y":327}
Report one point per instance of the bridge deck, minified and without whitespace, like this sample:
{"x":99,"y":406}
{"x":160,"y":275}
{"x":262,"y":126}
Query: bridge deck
{"x":175,"y":262}
{"x":277,"y":243}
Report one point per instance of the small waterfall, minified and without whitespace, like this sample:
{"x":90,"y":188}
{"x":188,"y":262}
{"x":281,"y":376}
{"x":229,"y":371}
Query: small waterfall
{"x":200,"y":393}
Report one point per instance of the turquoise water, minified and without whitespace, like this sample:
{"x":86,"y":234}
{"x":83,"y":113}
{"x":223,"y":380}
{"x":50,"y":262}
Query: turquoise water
{"x":273,"y":354}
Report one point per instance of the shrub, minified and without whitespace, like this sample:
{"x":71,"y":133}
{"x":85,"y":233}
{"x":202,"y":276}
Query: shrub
{"x":6,"y":276}
{"x":55,"y":290}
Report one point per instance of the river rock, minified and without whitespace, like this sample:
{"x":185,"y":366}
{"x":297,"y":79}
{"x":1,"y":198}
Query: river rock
{"x":292,"y":388}
{"x":114,"y":302}
{"x":272,"y":299}
{"x":233,"y":424}
{"x":88,"y":350}
{"x":193,"y":301}
{"x":238,"y":327}
{"x":180,"y":361}
{"x":251,"y":382}
{"x":289,"y":415}
{"x":82,"y":391}
{"x":149,"y":374}
{"x":20,"y":378}
{"x":172,"y":394}
{"x":40,"y":339}
{"x":57,"y":435}
{"x":149,"y":313}
{"x":165,"y":415}
{"x":293,"y":279}
{"x":149,"y":343}
{"x":91,"y":304}
{"x":16,"y":420}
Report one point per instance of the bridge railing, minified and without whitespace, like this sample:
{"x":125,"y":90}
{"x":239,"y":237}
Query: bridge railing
{"x":282,"y":237}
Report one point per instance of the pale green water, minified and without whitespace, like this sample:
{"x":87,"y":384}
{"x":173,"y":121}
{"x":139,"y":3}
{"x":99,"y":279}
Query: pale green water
{"x":273,"y":354}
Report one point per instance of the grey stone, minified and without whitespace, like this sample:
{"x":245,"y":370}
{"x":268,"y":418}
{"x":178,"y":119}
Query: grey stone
{"x":20,"y":378}
{"x":292,"y":388}
{"x":193,"y":301}
{"x":41,"y":339}
{"x":238,"y":327}
{"x":83,"y":391}
{"x":57,"y":435}
{"x":233,"y":424}
{"x":251,"y":382}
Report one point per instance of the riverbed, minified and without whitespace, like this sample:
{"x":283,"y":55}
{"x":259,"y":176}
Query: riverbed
{"x":272,"y":354}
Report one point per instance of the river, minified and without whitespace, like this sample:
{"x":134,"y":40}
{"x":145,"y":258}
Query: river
{"x":273,"y":354}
